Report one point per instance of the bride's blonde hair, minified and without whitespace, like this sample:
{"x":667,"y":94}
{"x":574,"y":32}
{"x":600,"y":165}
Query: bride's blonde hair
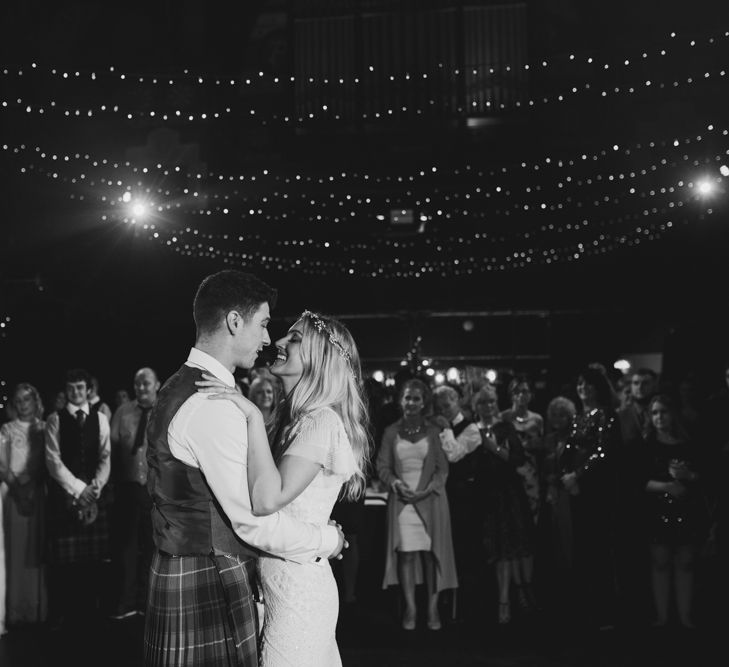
{"x":332,"y":378}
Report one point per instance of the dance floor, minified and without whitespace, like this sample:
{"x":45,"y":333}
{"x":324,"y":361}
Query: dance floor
{"x":370,"y":637}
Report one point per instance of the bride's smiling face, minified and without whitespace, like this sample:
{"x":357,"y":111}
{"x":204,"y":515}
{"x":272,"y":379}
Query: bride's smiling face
{"x":288,"y":364}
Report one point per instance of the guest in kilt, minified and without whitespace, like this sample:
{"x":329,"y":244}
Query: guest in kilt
{"x":78,"y":459}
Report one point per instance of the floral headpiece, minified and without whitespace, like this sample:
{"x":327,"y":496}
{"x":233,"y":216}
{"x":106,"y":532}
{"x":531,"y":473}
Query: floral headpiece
{"x":321,"y":327}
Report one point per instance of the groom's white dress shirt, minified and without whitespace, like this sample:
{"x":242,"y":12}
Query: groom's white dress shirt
{"x":213,"y":436}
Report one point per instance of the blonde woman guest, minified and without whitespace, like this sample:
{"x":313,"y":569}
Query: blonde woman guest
{"x":262,"y":393}
{"x":560,"y":414}
{"x":411,"y":463}
{"x":22,"y":473}
{"x":320,"y":445}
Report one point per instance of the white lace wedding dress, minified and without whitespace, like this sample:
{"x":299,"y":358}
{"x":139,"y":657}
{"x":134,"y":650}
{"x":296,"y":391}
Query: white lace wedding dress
{"x":301,"y":602}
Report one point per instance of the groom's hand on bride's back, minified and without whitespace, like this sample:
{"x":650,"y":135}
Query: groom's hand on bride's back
{"x":341,"y":542}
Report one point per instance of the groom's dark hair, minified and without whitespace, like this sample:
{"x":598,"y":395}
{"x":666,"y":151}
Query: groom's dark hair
{"x":224,"y":291}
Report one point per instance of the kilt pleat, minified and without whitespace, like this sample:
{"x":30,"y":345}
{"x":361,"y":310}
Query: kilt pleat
{"x":201,"y":611}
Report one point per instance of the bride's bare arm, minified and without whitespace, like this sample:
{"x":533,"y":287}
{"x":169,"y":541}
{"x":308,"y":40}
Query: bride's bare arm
{"x":270,"y":488}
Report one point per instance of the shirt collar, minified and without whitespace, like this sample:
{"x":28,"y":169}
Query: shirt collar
{"x":205,"y":361}
{"x":73,"y":409}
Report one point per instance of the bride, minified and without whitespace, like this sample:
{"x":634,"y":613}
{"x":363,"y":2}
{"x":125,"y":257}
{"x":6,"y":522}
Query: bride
{"x":319,"y":442}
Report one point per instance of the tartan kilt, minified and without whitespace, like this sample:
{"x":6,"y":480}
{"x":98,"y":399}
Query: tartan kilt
{"x":201,"y":610}
{"x":72,"y":542}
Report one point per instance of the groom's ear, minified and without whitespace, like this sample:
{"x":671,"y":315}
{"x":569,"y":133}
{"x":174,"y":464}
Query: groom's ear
{"x":233,"y":321}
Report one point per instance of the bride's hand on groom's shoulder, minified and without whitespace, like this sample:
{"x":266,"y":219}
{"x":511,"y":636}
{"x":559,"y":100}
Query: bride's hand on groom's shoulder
{"x":218,"y":390}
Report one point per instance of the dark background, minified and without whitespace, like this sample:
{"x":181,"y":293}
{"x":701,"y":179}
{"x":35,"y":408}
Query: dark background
{"x":80,"y":291}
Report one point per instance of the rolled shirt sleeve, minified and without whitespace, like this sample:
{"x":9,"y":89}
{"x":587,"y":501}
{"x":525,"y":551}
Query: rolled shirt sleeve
{"x":456,"y":448}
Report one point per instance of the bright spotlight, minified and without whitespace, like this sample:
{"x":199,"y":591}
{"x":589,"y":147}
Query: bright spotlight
{"x":127,"y":197}
{"x":426,"y":362}
{"x":429,"y":371}
{"x":139,"y":210}
{"x":724,"y":170}
{"x":453,"y":375}
{"x":491,"y":375}
{"x":439,"y":378}
{"x":378,"y":376}
{"x":705,"y":187}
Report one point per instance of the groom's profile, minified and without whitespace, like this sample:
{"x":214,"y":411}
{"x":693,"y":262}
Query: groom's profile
{"x":201,"y":608}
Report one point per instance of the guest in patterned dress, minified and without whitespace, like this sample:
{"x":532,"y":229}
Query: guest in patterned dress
{"x":413,"y":466}
{"x":508,"y":526}
{"x":530,"y":427}
{"x":23,"y":478}
{"x":587,"y":473}
{"x":77,"y":453}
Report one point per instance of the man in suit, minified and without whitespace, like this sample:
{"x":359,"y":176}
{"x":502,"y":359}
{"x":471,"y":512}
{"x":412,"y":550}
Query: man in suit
{"x":201,"y":605}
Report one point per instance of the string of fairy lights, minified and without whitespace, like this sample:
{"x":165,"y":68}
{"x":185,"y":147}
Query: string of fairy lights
{"x":191,"y":242}
{"x":456,"y":213}
{"x":432,"y":174}
{"x":328,"y":111}
{"x":370,"y":72}
{"x":53,"y":107}
{"x":469,"y":218}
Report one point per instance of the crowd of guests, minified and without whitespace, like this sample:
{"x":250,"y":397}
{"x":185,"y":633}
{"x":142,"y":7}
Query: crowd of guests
{"x":601,"y":506}
{"x":602,"y":509}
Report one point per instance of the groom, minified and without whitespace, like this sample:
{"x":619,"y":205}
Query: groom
{"x":200,"y":607}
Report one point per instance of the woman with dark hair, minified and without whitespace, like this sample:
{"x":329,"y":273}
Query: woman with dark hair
{"x":413,"y":466}
{"x":587,"y":473}
{"x":530,"y":427}
{"x":677,"y":514}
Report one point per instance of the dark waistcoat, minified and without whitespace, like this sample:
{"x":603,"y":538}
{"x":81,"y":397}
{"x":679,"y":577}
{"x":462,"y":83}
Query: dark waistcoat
{"x":186,"y":517}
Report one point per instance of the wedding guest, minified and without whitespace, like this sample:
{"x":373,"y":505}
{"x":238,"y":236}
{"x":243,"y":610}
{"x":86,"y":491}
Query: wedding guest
{"x":587,"y":474}
{"x":508,"y":529}
{"x":22,"y":473}
{"x":631,"y":546}
{"x":131,"y":521}
{"x":78,"y":460}
{"x":677,"y":515}
{"x":95,"y":402}
{"x":459,"y":438}
{"x":263,"y":393}
{"x":120,"y":397}
{"x":412,"y":464}
{"x":530,"y":427}
{"x":560,"y":414}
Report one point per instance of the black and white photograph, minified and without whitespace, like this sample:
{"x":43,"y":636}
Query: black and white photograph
{"x":364,"y":333}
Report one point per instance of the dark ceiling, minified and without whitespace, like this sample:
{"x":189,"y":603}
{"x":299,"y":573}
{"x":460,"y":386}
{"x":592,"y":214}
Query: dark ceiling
{"x":102,"y":294}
